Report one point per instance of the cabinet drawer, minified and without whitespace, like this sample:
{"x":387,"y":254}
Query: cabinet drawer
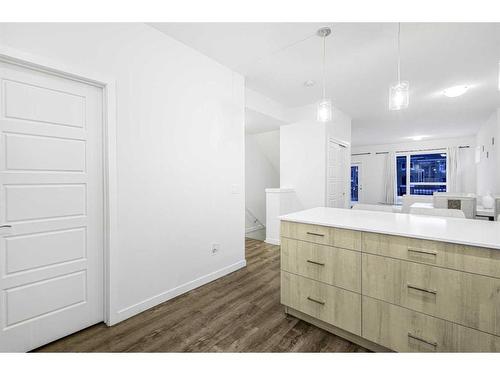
{"x":344,"y":238}
{"x":332,"y":305}
{"x":405,"y":330}
{"x":459,"y":257}
{"x":328,"y":264}
{"x":460,"y":297}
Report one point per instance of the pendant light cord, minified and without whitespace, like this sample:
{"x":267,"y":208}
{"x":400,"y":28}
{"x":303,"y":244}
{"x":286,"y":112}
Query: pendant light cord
{"x":255,"y":63}
{"x":324,"y":67}
{"x":399,"y":52}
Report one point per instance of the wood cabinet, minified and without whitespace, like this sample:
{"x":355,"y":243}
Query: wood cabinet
{"x":331,"y":265}
{"x":330,"y":304}
{"x":405,"y":330}
{"x":460,"y":297}
{"x":343,"y":238}
{"x":400,"y":293}
{"x":447,"y":255}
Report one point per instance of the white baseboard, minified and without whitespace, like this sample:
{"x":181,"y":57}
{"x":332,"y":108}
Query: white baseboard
{"x":130,"y":311}
{"x":253,"y":229}
{"x":272,"y":241}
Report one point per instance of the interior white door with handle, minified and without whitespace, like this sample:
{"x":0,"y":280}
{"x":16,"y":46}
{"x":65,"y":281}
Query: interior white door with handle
{"x":337,"y":175}
{"x":51,"y":207}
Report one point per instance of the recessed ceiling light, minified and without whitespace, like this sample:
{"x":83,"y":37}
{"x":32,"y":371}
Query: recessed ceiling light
{"x":453,"y":92}
{"x":417,"y":137}
{"x":309,"y":83}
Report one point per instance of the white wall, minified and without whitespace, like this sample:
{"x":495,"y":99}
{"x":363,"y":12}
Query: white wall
{"x":261,"y":170}
{"x":269,"y":144}
{"x":488,"y":167}
{"x":262,"y":114}
{"x":180,"y":153}
{"x":303,"y":153}
{"x":340,"y":127}
{"x":302,"y":162}
{"x":262,"y":104}
{"x":373,"y":165}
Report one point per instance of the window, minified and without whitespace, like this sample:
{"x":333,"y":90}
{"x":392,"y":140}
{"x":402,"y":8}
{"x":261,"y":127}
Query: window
{"x":426,"y":174}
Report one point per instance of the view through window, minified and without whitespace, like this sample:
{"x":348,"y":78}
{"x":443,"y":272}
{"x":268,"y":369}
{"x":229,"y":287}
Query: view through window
{"x":426,"y":174}
{"x":354,"y":183}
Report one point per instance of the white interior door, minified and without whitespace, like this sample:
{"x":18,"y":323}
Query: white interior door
{"x":51,"y":207}
{"x":338,"y":175}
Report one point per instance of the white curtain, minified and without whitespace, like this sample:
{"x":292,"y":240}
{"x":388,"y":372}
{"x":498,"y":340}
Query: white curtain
{"x":454,"y":170}
{"x":390,"y":177}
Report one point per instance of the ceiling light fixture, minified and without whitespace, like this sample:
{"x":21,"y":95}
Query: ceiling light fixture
{"x":417,"y":137}
{"x":453,"y":92}
{"x":399,"y":92}
{"x":324,"y":111}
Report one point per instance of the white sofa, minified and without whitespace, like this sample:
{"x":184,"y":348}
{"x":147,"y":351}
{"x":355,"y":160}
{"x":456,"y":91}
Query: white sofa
{"x":408,"y":200}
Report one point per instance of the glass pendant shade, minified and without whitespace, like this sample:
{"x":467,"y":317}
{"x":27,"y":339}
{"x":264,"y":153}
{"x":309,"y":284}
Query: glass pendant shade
{"x":399,"y":96}
{"x":324,"y":110}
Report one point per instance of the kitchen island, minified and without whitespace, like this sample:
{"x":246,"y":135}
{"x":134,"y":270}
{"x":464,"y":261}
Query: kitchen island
{"x":391,"y":281}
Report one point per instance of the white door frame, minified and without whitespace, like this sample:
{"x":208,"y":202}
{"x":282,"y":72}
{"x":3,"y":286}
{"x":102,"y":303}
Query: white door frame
{"x":107,"y":84}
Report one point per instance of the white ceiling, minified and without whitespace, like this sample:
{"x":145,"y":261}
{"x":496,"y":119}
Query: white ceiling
{"x":361,"y":60}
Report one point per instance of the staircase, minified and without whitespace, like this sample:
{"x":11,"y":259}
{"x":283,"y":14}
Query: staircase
{"x":253,"y":227}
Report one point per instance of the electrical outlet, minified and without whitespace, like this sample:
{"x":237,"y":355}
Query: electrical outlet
{"x":215,"y":248}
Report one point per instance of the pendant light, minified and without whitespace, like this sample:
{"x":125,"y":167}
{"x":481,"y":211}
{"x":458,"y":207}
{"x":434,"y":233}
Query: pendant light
{"x":399,"y":91}
{"x":324,"y":111}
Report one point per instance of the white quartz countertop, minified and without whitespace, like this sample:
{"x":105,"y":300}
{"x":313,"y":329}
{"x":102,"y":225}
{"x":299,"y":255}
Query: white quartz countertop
{"x":461,"y":231}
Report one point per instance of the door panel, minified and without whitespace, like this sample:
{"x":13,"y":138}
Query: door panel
{"x":42,"y":297}
{"x":25,"y":202}
{"x":337,"y":175}
{"x":44,"y":153}
{"x":31,"y":251}
{"x":26,"y":101}
{"x":51,"y":194}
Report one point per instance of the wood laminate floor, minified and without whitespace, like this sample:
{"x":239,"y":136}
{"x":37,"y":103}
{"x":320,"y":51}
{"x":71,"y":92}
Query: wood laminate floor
{"x":240,"y":312}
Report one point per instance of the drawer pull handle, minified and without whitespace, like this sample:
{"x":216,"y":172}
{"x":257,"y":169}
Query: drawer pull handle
{"x":316,"y":301}
{"x":434,"y":344}
{"x":313,"y":262}
{"x":422,"y":289}
{"x":414,"y":250}
{"x":316,"y":234}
